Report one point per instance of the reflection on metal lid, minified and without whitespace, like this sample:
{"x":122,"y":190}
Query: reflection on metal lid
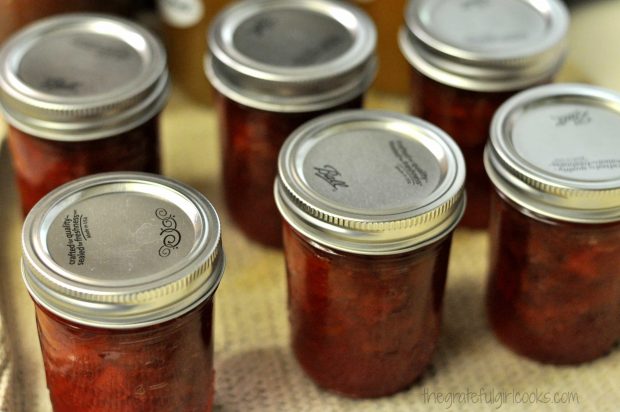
{"x":555,"y":149}
{"x":291,"y":56}
{"x":122,"y":250}
{"x":371,"y":182}
{"x":82,"y":76}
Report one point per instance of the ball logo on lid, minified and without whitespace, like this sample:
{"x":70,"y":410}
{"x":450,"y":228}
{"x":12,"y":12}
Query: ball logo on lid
{"x":330,"y":174}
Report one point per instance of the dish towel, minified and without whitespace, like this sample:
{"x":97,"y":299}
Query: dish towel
{"x":6,"y":371}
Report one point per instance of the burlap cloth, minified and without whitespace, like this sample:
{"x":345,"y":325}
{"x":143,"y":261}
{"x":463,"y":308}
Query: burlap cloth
{"x":255,"y":368}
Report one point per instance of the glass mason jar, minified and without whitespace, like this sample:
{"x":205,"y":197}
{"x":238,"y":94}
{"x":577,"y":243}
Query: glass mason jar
{"x":392,"y":76}
{"x":554,"y":159}
{"x":82,"y":94}
{"x":370,"y":200}
{"x":467,"y":57}
{"x":184,"y":23}
{"x":277,"y":64}
{"x":122,"y":268}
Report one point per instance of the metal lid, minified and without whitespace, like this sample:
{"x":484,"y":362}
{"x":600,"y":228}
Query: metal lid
{"x":82,"y":77}
{"x":555,"y":150}
{"x":485,"y":45}
{"x":122,"y":250}
{"x":371,"y":182}
{"x":286,"y":56}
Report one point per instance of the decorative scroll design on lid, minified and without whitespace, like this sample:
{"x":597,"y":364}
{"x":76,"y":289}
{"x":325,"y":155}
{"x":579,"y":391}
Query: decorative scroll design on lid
{"x":171,"y":236}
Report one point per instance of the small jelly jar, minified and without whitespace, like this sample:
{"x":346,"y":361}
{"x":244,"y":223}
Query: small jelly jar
{"x":184,"y":24}
{"x":277,"y":64}
{"x":370,"y":200}
{"x":122,"y":268}
{"x":81,"y":94}
{"x":467,"y":57}
{"x":554,"y":287}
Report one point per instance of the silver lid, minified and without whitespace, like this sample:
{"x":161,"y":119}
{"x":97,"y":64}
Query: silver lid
{"x":371,"y":182}
{"x":82,"y":77}
{"x":286,"y":56}
{"x":122,"y":250}
{"x":555,"y":150}
{"x":485,"y":45}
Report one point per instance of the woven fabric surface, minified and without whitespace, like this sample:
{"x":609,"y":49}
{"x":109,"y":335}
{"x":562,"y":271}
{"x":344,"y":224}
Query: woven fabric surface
{"x":6,"y":370}
{"x":255,"y":369}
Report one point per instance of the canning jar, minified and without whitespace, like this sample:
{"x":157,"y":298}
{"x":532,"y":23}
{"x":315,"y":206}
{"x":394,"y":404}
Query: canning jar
{"x":554,"y":159}
{"x":467,"y":57}
{"x":277,"y":64}
{"x":393,"y":74}
{"x":370,"y":200}
{"x":122,"y":268}
{"x":82,"y":94}
{"x":184,"y":23}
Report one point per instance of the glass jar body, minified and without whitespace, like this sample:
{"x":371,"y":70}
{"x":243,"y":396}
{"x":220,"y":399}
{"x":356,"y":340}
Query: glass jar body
{"x":42,"y":164}
{"x":186,"y":46}
{"x":251,"y":141}
{"x":364,"y":326}
{"x":166,"y":367}
{"x":553,"y":293}
{"x":393,"y":68}
{"x":466,"y":116}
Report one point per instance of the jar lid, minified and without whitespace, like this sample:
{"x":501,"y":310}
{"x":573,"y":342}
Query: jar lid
{"x":286,"y":56}
{"x":485,"y":45}
{"x":371,"y":182}
{"x":555,"y":150}
{"x":122,"y":250}
{"x":82,"y":77}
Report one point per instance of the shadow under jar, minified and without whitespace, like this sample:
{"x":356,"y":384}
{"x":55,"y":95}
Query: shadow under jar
{"x":467,"y":57}
{"x":277,"y":64}
{"x":82,"y":94}
{"x":554,"y":287}
{"x":370,"y":200}
{"x":122,"y":268}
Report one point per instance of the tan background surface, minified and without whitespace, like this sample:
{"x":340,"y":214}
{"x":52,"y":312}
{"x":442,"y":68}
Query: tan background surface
{"x":255,"y":368}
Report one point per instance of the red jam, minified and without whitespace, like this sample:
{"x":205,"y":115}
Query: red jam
{"x":469,"y":57}
{"x":251,"y":140}
{"x":364,"y":326}
{"x":42,"y":164}
{"x":161,"y":368}
{"x":554,"y":289}
{"x":466,"y":116}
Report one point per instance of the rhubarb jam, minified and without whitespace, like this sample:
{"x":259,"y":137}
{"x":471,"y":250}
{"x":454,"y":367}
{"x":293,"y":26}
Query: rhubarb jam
{"x":122,"y":268}
{"x":369,"y":200}
{"x":82,"y":94}
{"x":270,"y":82}
{"x":554,"y":287}
{"x":467,"y":58}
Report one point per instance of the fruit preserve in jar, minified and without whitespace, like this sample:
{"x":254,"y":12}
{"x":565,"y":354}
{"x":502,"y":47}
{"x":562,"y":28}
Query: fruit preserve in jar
{"x":370,"y":200}
{"x":122,"y":268}
{"x":81,"y":94}
{"x":554,"y":287}
{"x":277,"y":64}
{"x":467,"y":57}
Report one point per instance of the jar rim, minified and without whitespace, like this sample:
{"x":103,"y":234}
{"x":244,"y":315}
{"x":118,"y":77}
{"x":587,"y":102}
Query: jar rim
{"x":432,"y":42}
{"x":294,"y":83}
{"x":537,"y":157}
{"x":385,"y":182}
{"x":111,"y":77}
{"x":134,"y":249}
